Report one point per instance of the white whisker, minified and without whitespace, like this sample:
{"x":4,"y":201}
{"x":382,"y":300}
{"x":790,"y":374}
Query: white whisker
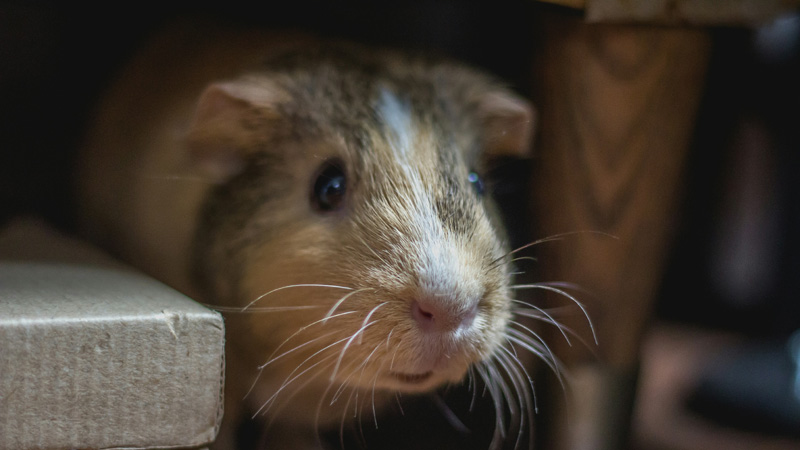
{"x":549,"y":359}
{"x":473,"y":384}
{"x":449,"y":415}
{"x":374,"y":384}
{"x":515,"y":371}
{"x":555,"y":237}
{"x":321,"y":402}
{"x":397,"y":395}
{"x":499,"y":425}
{"x":565,"y":294}
{"x":298,"y":347}
{"x":529,"y":385}
{"x":566,"y":285}
{"x":293,"y":286}
{"x":538,"y":347}
{"x":287,"y":382}
{"x":259,"y":309}
{"x":300,"y":330}
{"x":524,"y":258}
{"x":361,"y":366}
{"x":544,"y":317}
{"x":285,"y":399}
{"x":350,"y":341}
{"x":342,"y":300}
{"x":516,"y":408}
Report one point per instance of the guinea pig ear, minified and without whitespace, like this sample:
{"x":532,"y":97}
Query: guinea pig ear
{"x":232,"y":120}
{"x":509,"y":123}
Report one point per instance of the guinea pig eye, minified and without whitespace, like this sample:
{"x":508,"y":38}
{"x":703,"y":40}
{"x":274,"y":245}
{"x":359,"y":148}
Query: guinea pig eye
{"x":476,"y":182}
{"x":330,"y":187}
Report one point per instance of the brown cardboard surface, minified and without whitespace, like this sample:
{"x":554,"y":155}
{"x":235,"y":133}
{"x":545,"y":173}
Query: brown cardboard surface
{"x":96,"y":355}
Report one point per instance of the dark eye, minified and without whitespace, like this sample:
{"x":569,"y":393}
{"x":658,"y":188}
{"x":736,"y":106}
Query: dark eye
{"x":476,"y":182}
{"x":330,"y":187}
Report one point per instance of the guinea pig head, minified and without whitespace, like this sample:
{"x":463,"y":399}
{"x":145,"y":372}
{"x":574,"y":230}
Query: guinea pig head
{"x":352,"y":225}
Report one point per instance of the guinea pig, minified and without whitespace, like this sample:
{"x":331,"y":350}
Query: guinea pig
{"x":329,"y":198}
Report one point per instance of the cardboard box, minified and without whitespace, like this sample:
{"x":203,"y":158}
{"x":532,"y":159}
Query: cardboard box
{"x":95,"y":355}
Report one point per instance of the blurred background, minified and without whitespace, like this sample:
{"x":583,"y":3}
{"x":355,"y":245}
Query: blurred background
{"x":717,"y":366}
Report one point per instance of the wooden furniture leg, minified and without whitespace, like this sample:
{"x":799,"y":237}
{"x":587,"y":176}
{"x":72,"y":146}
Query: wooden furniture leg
{"x":617,"y":108}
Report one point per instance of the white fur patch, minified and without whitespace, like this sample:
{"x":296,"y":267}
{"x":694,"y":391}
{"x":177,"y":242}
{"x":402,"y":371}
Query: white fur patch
{"x":397,"y":116}
{"x":440,"y":266}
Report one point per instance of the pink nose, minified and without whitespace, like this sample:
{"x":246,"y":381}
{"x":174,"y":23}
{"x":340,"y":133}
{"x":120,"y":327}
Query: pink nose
{"x":433,"y":316}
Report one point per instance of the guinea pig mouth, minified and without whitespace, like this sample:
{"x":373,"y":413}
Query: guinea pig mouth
{"x":409,"y":378}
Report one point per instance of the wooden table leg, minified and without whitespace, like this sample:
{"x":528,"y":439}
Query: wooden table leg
{"x":617,"y":106}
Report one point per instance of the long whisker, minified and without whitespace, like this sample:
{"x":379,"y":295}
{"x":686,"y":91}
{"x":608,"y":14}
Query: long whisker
{"x":270,"y":360}
{"x":298,"y":347}
{"x":528,"y":377}
{"x":449,"y":415}
{"x":320,"y":404}
{"x":374,"y":409}
{"x":258,"y":309}
{"x":515,"y":371}
{"x":294,"y":286}
{"x":350,"y":341}
{"x":397,"y":396}
{"x":473,"y":385}
{"x":342,"y":300}
{"x":287,"y":382}
{"x":375,"y":378}
{"x":535,"y":315}
{"x":552,"y":362}
{"x":565,"y":294}
{"x":518,"y":411}
{"x":272,"y":357}
{"x":343,"y":385}
{"x":499,"y":425}
{"x":300,"y":330}
{"x":524,"y":258}
{"x":344,"y":415}
{"x":361,"y":366}
{"x":534,"y":344}
{"x":555,"y":237}
{"x":289,"y":378}
{"x":574,"y":335}
{"x":366,"y":319}
{"x":508,"y":395}
{"x":566,"y":285}
{"x":286,"y":398}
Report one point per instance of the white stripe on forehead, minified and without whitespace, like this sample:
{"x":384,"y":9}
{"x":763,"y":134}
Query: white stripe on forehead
{"x":438,"y":264}
{"x":436,"y":258}
{"x":396,"y":114}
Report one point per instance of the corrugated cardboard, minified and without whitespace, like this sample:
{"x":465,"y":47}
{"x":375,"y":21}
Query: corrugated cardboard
{"x":96,"y":355}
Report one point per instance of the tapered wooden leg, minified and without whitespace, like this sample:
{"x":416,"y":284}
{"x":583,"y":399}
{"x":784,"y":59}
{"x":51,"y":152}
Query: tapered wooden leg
{"x":617,"y":106}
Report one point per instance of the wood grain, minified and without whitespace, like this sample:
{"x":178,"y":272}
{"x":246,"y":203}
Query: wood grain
{"x":617,"y":108}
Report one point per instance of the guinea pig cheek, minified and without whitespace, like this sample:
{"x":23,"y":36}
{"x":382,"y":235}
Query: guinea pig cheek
{"x":288,"y":290}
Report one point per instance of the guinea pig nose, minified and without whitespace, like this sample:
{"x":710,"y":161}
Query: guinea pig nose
{"x":433,"y":316}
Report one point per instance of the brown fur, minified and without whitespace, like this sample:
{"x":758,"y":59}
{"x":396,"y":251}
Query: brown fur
{"x":199,"y":170}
